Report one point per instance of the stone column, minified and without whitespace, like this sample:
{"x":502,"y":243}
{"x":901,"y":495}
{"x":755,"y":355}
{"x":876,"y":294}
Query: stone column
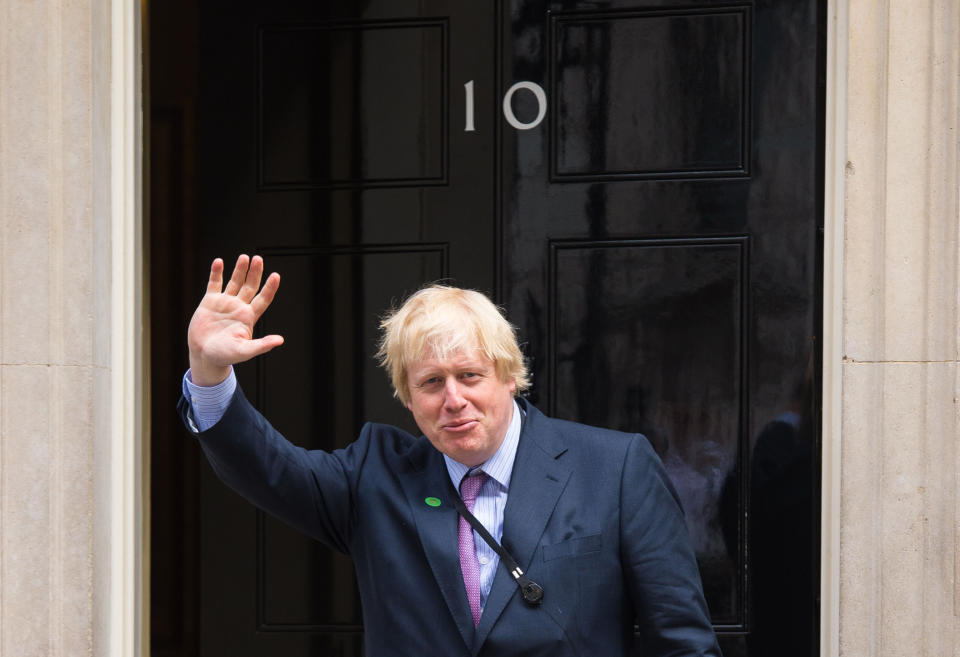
{"x":58,"y":520}
{"x":900,"y":499}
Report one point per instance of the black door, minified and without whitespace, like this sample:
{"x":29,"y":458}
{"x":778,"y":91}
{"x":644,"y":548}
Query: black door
{"x":660,"y":252}
{"x":637,"y":183}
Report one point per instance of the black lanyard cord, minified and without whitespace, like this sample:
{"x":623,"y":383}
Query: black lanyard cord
{"x":532,"y":592}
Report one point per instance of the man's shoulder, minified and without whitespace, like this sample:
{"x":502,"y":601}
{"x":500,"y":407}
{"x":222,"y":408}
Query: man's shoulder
{"x":386,"y":439}
{"x":577,"y":434}
{"x":394,"y":447}
{"x":389,"y":437}
{"x":590,"y":431}
{"x":570,"y":426}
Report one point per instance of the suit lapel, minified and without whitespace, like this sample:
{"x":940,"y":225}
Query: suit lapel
{"x":539,"y":477}
{"x":437,"y":527}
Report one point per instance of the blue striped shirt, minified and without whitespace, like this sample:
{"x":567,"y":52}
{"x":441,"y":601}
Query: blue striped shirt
{"x":491,"y":500}
{"x":208,"y":404}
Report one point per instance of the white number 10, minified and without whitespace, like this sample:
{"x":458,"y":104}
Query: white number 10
{"x":508,"y":114}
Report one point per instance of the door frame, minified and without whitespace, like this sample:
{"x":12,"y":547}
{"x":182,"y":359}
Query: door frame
{"x":834,"y":166}
{"x":125,"y":528}
{"x":122,"y":514}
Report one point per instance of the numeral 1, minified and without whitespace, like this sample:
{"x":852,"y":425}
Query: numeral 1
{"x":468,"y":119}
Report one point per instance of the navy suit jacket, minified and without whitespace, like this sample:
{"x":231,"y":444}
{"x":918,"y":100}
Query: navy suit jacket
{"x":591,"y":516}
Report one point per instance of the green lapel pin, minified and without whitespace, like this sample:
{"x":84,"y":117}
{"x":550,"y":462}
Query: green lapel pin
{"x":432,"y":501}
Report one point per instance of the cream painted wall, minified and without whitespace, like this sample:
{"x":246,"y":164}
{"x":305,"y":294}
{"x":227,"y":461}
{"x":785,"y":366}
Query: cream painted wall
{"x":51,"y":363}
{"x":900,"y":464}
{"x":70,"y":330}
{"x":68,"y":327}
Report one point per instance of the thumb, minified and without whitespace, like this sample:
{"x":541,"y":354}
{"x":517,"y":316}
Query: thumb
{"x":253,"y":348}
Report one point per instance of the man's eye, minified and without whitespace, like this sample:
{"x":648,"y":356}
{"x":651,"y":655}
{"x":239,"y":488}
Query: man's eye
{"x":469,"y":375}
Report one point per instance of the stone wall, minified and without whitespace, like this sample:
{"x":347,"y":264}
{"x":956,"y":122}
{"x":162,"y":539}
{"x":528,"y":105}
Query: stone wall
{"x":900,"y":462}
{"x":55,"y":282}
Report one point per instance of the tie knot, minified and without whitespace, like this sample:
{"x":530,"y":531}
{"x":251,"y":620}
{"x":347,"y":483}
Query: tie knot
{"x":470,"y":487}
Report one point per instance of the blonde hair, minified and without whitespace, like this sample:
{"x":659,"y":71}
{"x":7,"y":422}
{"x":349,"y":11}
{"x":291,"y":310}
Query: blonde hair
{"x":439,"y":320}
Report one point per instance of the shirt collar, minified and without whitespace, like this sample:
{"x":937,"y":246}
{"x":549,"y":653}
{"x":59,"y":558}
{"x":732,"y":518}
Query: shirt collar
{"x":498,"y":467}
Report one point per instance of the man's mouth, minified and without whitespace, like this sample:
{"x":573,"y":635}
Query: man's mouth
{"x":460,"y":425}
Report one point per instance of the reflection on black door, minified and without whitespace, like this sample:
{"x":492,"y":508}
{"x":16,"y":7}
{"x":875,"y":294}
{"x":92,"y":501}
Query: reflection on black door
{"x":645,"y":206}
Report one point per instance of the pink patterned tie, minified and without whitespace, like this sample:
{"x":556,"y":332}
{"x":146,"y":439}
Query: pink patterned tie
{"x":469,"y":488}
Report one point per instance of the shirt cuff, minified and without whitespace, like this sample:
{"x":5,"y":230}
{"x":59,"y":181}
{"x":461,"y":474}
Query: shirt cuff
{"x":209,"y":404}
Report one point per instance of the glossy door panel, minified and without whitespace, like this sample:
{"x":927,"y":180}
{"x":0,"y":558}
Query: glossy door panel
{"x":661,"y":232}
{"x":648,"y":335}
{"x":388,"y":129}
{"x":319,"y":393}
{"x":340,"y":173}
{"x":686,"y":108}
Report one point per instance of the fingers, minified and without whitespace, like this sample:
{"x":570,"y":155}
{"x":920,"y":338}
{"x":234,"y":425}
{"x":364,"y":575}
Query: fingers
{"x":245,"y":282}
{"x":239,"y":274}
{"x":252,"y":348}
{"x":252,"y":283}
{"x":215,"y":284}
{"x":263,"y":300}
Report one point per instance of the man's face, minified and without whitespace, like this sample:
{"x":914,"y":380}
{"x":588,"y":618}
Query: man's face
{"x":461,"y":405}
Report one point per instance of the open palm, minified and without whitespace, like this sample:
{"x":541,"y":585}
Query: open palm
{"x":221,"y":330}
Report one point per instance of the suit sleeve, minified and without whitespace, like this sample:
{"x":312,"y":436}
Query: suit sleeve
{"x":660,"y":565}
{"x":312,"y":490}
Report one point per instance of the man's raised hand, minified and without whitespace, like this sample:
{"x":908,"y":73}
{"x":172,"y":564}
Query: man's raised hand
{"x":221,"y":330}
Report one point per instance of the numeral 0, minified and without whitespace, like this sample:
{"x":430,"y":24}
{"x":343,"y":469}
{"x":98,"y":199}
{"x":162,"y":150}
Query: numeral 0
{"x":508,"y":114}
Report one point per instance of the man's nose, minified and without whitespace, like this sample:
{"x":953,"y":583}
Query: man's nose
{"x":451,"y":394}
